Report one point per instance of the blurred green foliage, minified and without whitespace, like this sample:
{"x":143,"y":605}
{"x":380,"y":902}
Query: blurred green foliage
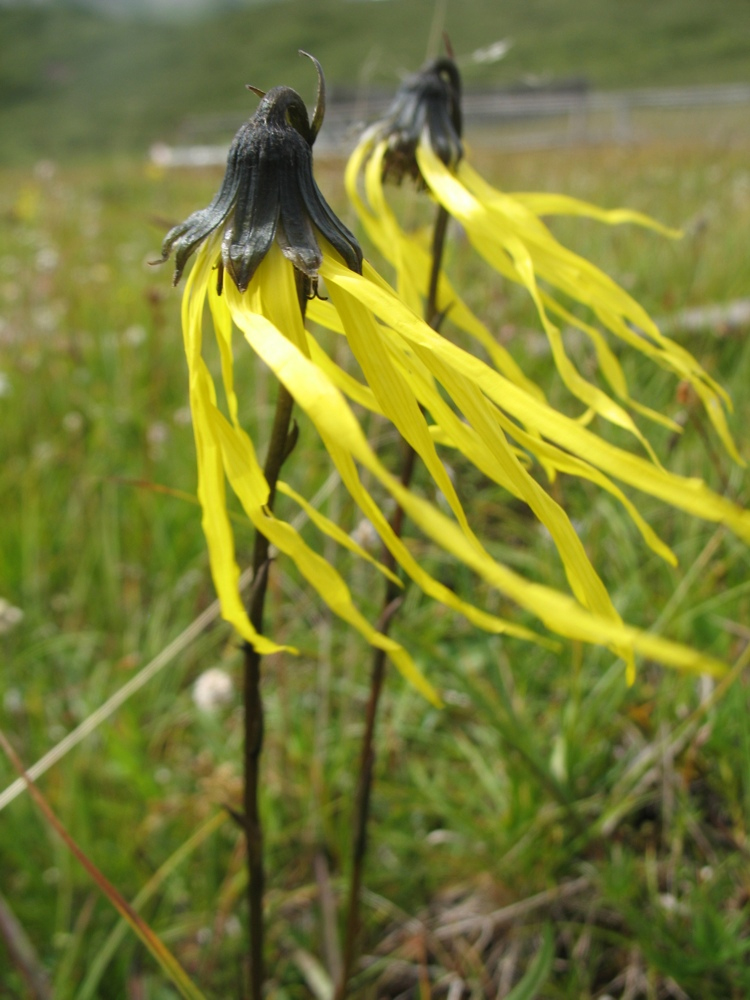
{"x":543,"y":768}
{"x":74,"y":83}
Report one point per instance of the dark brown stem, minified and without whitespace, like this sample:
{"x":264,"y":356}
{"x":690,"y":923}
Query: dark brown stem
{"x":431,"y":314}
{"x":278,"y":450}
{"x":391,"y":604}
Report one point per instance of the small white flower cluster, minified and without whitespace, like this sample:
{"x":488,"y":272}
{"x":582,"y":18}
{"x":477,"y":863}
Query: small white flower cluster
{"x":213,"y":690}
{"x":365,"y":534}
{"x":10,"y":616}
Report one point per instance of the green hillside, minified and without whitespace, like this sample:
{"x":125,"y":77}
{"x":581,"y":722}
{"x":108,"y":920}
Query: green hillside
{"x":72,"y":82}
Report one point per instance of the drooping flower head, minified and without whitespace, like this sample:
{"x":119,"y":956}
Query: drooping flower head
{"x":420,"y":137}
{"x":268,"y":193}
{"x":428,"y":101}
{"x":272,"y":232}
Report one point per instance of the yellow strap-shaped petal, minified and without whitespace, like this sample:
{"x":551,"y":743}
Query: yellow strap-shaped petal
{"x":610,"y":366}
{"x":469,"y":196}
{"x":481,"y":439}
{"x":224,"y":448}
{"x":580,"y":278}
{"x":394,"y":395}
{"x":691,"y":495}
{"x":343,"y":438}
{"x":507,"y":245}
{"x":562,"y":204}
{"x":326,"y":581}
{"x":211,"y":484}
{"x":560,"y":612}
{"x":349,"y":385}
{"x":330,"y":528}
{"x":322,"y":312}
{"x":413,"y":262}
{"x":427,"y":583}
{"x":576,"y":277}
{"x":323,"y":402}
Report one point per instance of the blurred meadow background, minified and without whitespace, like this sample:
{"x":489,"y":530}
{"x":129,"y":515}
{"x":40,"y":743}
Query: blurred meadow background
{"x":549,"y":817}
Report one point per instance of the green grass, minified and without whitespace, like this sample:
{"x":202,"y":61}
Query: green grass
{"x":75,"y":84}
{"x":542,"y":769}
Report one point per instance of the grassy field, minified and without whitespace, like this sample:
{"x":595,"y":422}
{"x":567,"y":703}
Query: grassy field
{"x":75,"y":84}
{"x":615,"y":817}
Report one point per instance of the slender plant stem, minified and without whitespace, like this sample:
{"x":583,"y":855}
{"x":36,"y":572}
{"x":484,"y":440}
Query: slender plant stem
{"x":279,"y":447}
{"x":391,"y":604}
{"x":431,"y":314}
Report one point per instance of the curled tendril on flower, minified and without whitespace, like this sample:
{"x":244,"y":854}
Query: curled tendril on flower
{"x":268,"y":193}
{"x":427,"y":107}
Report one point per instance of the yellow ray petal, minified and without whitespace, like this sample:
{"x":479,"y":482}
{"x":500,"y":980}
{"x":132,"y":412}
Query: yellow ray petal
{"x":496,"y":223}
{"x":322,"y":312}
{"x":323,"y":402}
{"x":349,"y":385}
{"x":394,"y":395}
{"x":211,"y":487}
{"x":326,"y":581}
{"x":343,"y":438}
{"x":485,"y":445}
{"x":691,"y":495}
{"x":610,"y":366}
{"x":441,"y":437}
{"x":562,"y":204}
{"x":413,"y":263}
{"x":507,"y":247}
{"x":427,"y":583}
{"x":481,"y":439}
{"x":560,"y":612}
{"x":225,"y":449}
{"x":564,"y":462}
{"x":582,"y":280}
{"x":330,"y":528}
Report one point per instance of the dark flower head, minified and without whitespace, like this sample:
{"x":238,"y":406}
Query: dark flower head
{"x":426,"y":106}
{"x":268,"y":193}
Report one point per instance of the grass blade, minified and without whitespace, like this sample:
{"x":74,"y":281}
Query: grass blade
{"x":108,"y":949}
{"x":537,"y":972}
{"x":160,"y":952}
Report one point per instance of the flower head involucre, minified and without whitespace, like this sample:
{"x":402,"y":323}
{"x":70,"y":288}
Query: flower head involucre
{"x":268,"y":193}
{"x":427,"y":108}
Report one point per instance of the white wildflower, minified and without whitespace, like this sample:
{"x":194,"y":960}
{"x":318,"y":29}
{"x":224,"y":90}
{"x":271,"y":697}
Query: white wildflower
{"x":10,"y":616}
{"x":73,"y":422}
{"x":365,"y":535}
{"x":135,"y":335}
{"x":47,"y":259}
{"x":13,"y":701}
{"x":182,"y":417}
{"x":156,"y":437}
{"x":213,"y":689}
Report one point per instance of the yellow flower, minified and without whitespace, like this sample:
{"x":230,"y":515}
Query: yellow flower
{"x":434,"y":393}
{"x":421,"y":137}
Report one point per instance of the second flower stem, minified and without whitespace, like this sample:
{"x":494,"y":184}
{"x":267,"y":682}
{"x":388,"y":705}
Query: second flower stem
{"x":431,"y":314}
{"x":391,"y":604}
